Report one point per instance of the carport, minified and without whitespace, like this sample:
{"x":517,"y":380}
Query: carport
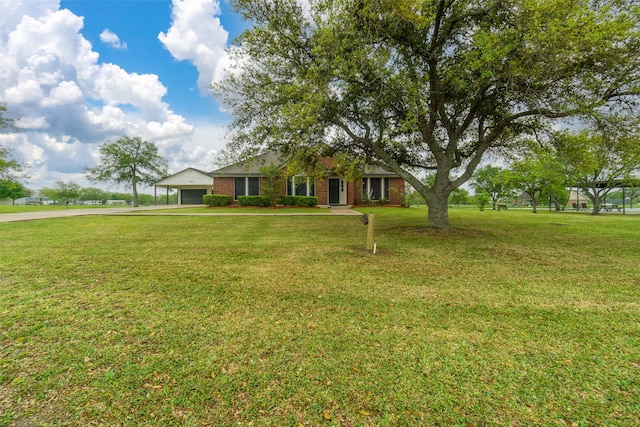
{"x":191,"y":184}
{"x":621,"y":184}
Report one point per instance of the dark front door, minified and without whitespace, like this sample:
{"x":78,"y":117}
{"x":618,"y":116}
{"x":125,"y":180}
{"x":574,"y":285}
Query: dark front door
{"x":334,"y":191}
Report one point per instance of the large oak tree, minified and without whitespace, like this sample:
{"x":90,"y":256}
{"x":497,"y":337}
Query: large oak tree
{"x":129,"y":161}
{"x":424,"y":86}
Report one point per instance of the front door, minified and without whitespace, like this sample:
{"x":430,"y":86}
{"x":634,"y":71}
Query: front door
{"x":337,"y":191}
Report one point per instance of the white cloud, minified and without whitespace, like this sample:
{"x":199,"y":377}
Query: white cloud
{"x":197,"y":35}
{"x":66,"y":101}
{"x":65,"y":93}
{"x":112,"y":39}
{"x":200,"y":152}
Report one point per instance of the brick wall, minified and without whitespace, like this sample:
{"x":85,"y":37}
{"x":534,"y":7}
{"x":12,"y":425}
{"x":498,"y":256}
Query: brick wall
{"x":223,"y":186}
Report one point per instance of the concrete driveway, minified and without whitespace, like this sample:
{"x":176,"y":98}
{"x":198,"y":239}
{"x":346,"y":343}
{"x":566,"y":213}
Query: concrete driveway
{"x":149,"y":210}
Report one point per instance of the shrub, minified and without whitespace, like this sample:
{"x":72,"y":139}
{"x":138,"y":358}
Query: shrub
{"x":482,"y":200}
{"x":286,"y":200}
{"x":299,"y":201}
{"x":253,"y":201}
{"x":306,"y":201}
{"x":272,"y":183}
{"x":216,"y":199}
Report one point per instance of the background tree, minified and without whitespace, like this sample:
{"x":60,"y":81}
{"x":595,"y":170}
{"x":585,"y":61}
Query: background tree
{"x":432,"y":85}
{"x":11,"y":169}
{"x":458,"y":196}
{"x":596,"y":161}
{"x":62,"y":192}
{"x":633,"y":193}
{"x":129,"y":161}
{"x":538,"y":175}
{"x":5,"y":122}
{"x":482,"y":200}
{"x":13,"y":190}
{"x":492,"y":181}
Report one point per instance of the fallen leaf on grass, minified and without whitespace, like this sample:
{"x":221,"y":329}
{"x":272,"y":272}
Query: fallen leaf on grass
{"x":363,"y":412}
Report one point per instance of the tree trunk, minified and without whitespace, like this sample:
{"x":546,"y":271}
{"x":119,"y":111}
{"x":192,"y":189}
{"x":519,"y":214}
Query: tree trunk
{"x":438,"y":209}
{"x":135,"y":192}
{"x":596,"y":202}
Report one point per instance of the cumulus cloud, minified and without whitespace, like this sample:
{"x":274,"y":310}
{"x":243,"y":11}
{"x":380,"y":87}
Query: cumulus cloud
{"x":65,"y":100}
{"x":197,"y":35}
{"x":112,"y":39}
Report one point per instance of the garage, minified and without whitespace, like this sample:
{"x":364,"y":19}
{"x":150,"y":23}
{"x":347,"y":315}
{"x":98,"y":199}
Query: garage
{"x":191,"y":184}
{"x":192,"y":197}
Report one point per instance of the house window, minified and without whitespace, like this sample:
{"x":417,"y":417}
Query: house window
{"x":246,"y":186}
{"x":299,"y":186}
{"x":375,"y":188}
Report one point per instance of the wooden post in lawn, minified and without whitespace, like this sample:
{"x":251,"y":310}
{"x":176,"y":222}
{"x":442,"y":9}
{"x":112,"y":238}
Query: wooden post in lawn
{"x":371,"y":218}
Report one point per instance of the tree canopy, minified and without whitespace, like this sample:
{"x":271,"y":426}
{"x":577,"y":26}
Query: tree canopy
{"x":130,"y":161}
{"x":491,"y":180}
{"x":598,"y":161}
{"x":62,"y":192}
{"x":432,"y":85}
{"x":12,"y":171}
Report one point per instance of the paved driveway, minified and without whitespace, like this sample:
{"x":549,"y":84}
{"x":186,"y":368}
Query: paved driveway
{"x":149,"y":210}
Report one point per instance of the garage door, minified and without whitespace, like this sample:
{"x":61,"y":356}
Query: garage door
{"x":192,"y":197}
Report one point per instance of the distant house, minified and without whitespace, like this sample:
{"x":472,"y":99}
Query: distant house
{"x":27,"y":201}
{"x":577,"y":199}
{"x":246,"y":179}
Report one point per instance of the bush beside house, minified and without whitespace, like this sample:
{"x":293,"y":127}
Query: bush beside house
{"x":217,"y":199}
{"x":308,"y":201}
{"x":261,"y":201}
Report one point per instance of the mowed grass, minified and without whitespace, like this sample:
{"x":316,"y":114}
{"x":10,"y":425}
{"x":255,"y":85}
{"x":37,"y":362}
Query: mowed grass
{"x":511,"y":319}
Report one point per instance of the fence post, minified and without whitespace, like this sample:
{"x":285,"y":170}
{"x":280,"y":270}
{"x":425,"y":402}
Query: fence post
{"x":371,"y":218}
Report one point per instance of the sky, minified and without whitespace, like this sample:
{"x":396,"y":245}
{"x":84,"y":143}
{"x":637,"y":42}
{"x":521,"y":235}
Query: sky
{"x":77,"y":73}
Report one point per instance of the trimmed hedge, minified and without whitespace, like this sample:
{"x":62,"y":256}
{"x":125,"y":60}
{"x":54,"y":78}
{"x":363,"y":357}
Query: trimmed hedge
{"x":216,"y":199}
{"x":253,"y":201}
{"x":299,"y":201}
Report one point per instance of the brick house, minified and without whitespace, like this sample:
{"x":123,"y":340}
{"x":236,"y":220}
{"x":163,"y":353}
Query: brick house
{"x":245,"y":179}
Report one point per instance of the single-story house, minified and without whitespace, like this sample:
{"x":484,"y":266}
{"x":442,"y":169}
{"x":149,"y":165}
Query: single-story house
{"x":246,"y":179}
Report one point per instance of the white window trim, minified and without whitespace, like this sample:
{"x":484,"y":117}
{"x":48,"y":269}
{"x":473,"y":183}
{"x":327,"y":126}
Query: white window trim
{"x":382,"y":189}
{"x":309,"y":182}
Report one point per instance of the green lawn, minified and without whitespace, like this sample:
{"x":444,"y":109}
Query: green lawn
{"x":512,"y":319}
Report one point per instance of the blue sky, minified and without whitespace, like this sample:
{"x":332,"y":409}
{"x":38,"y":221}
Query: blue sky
{"x":138,"y":23}
{"x":81,"y":72}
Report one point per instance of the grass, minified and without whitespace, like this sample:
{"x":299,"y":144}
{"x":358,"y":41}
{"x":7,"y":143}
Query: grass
{"x":510,"y":319}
